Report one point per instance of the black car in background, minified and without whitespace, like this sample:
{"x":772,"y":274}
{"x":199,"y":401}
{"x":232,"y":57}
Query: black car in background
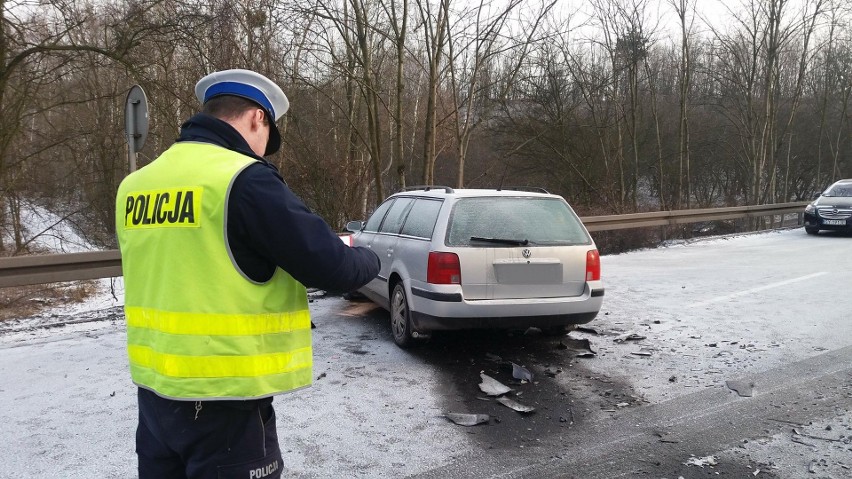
{"x":832,"y":210}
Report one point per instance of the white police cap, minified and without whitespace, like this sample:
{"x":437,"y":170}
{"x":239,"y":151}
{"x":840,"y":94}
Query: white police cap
{"x":247,"y":84}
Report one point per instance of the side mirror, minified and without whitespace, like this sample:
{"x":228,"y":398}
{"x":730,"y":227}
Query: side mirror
{"x":354,"y":226}
{"x":816,"y":196}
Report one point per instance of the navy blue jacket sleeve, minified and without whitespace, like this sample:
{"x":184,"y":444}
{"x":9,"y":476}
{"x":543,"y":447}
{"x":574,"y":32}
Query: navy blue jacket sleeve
{"x":269,"y":226}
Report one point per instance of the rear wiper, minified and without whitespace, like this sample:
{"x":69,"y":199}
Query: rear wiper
{"x":515,"y":242}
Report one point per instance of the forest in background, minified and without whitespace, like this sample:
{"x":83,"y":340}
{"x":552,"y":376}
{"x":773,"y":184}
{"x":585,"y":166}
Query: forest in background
{"x":620,"y":106}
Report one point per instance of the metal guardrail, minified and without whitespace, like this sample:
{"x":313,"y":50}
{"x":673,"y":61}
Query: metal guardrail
{"x":54,"y":268}
{"x":663,"y":218}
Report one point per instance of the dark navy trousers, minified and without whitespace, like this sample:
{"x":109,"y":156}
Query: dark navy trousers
{"x":207,"y":439}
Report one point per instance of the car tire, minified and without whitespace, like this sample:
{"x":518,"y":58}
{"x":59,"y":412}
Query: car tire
{"x":400,"y":317}
{"x":811,"y":230}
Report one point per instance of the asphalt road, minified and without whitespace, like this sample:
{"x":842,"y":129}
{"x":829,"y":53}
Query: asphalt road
{"x":658,"y":399}
{"x":682,"y":328}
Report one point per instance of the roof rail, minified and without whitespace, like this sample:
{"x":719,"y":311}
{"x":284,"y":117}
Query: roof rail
{"x":446,"y":189}
{"x":534,"y":189}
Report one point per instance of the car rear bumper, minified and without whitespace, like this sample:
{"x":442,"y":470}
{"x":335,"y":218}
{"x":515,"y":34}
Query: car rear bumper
{"x":451,"y":311}
{"x":426,"y":322}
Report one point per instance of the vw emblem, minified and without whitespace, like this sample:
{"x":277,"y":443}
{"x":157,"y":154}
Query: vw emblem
{"x":526,"y":252}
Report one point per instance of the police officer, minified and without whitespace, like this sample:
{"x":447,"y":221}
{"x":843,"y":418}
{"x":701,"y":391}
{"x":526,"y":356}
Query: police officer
{"x":216,"y":253}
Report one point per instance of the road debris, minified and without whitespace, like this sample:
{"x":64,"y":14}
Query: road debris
{"x":521,"y":373}
{"x":814,"y":463}
{"x":786,"y":421}
{"x":742,"y":388}
{"x":467,"y":419}
{"x":629,"y":337}
{"x":640,"y":353}
{"x":701,"y":461}
{"x":662,"y":435}
{"x":582,"y":346}
{"x":799,"y":441}
{"x":491,"y":386}
{"x":512,"y":404}
{"x":796,"y":432}
{"x":587,"y":330}
{"x":570,"y":419}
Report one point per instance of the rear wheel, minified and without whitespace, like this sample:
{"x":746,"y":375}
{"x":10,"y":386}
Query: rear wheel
{"x":400,"y":317}
{"x":811,"y":230}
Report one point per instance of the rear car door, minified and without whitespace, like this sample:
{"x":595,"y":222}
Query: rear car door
{"x":415,"y":240}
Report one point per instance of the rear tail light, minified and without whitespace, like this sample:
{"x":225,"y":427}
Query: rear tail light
{"x":593,"y":265}
{"x":444,"y":268}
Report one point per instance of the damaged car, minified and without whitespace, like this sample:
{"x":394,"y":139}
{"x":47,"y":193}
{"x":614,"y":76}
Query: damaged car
{"x":480,"y":258}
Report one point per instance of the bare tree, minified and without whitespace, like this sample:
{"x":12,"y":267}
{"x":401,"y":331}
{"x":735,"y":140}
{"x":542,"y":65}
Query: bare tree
{"x":399,"y":26}
{"x":36,"y":49}
{"x":434,"y":24}
{"x":472,"y":62}
{"x":685,"y":10}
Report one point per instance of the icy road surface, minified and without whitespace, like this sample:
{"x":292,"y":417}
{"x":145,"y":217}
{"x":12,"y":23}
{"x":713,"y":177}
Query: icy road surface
{"x":767,"y":311}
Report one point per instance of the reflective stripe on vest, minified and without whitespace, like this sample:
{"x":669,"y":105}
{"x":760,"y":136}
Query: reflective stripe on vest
{"x":197,"y":328}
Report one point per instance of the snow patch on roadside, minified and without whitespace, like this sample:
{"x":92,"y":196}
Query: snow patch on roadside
{"x":45,"y":230}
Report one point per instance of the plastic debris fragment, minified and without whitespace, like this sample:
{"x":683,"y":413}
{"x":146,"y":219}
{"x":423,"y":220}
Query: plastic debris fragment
{"x":521,"y":373}
{"x":582,"y":345}
{"x":629,"y":337}
{"x":491,"y":386}
{"x":512,"y":404}
{"x":467,"y":419}
{"x":742,"y":388}
{"x":701,"y":461}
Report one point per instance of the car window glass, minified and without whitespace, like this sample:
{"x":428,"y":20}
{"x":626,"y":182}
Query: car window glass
{"x":422,"y":217}
{"x":396,"y":215}
{"x":542,"y":221}
{"x":376,"y":218}
{"x":840,"y":190}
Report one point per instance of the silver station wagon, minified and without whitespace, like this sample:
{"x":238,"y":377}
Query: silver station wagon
{"x":479,"y":258}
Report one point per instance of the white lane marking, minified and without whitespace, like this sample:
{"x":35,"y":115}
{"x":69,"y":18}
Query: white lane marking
{"x":755,"y":290}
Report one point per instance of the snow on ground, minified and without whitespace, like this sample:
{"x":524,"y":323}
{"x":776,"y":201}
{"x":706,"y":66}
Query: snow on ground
{"x":69,"y":409}
{"x":45,"y":230}
{"x":751,"y":312}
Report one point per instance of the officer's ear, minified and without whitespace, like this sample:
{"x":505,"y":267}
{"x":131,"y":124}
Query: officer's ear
{"x":258,"y":121}
{"x":259,"y":117}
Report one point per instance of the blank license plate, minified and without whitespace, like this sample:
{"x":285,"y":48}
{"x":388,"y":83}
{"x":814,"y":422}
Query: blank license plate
{"x":834,"y":222}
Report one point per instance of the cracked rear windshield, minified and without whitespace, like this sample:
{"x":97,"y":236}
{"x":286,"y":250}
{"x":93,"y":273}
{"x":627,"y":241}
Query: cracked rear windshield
{"x":541,"y":221}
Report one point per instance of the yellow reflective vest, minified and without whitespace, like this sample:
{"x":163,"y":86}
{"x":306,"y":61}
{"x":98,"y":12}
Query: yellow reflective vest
{"x":197,"y":327}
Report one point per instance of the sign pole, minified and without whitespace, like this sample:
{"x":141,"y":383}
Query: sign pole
{"x":131,"y":155}
{"x":135,"y":123}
